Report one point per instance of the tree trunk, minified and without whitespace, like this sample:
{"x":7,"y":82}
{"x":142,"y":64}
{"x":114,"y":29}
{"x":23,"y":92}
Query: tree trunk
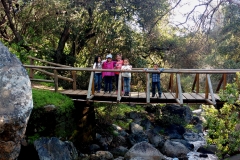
{"x":18,"y":37}
{"x":62,"y":41}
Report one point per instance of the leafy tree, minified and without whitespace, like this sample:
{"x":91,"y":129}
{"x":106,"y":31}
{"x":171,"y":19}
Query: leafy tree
{"x":223,"y":125}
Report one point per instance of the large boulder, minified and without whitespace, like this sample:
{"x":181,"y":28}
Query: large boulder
{"x":15,"y":104}
{"x":55,"y":149}
{"x":174,"y":149}
{"x":144,"y":150}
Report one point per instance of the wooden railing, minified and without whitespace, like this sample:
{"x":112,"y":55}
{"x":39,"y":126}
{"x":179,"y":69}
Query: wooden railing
{"x":177,"y":72}
{"x":54,"y":74}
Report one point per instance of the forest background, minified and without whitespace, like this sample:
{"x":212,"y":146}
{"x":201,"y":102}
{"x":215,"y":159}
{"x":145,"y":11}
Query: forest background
{"x":74,"y":32}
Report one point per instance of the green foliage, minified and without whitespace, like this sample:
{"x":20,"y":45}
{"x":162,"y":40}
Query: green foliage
{"x":42,"y":98}
{"x":116,"y":114}
{"x":116,"y":109}
{"x":57,"y":121}
{"x":168,"y":119}
{"x":222,"y":124}
{"x":31,"y":139}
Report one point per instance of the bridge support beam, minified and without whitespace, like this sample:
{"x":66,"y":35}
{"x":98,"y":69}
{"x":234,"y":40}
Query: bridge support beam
{"x":86,"y":124}
{"x":209,"y":89}
{"x":148,"y":88}
{"x":90,"y":86}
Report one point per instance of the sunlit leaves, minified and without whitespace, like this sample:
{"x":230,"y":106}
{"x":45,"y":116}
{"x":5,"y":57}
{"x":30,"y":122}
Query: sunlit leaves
{"x":223,"y":125}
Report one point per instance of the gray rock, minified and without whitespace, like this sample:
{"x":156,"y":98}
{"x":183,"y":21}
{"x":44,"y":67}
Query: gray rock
{"x":135,"y":128}
{"x":192,"y":137}
{"x":154,"y":138}
{"x":49,"y":108}
{"x":174,"y":149}
{"x":119,"y":151}
{"x":53,"y":148}
{"x":144,"y":150}
{"x":137,"y":137}
{"x":119,"y":158}
{"x":134,"y":115}
{"x":15,"y":104}
{"x":146,"y":124}
{"x":102,"y":155}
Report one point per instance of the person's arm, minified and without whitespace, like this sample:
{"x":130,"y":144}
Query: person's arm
{"x":161,"y":69}
{"x":94,"y":65}
{"x":129,"y":67}
{"x":103,"y":65}
{"x":104,"y":60}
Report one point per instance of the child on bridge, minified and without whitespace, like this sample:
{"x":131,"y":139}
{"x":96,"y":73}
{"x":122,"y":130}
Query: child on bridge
{"x":126,"y":76}
{"x":108,"y":76}
{"x":98,"y":75}
{"x":156,"y":80}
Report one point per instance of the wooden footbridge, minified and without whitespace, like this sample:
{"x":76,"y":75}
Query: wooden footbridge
{"x":175,"y":93}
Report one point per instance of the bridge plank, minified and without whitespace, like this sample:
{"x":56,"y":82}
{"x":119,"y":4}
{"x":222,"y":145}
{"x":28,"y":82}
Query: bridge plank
{"x":142,"y":95}
{"x":65,"y":91}
{"x":82,"y":92}
{"x":99,"y":94}
{"x":197,"y":96}
{"x":134,"y":94}
{"x":169,"y":96}
{"x":178,"y":96}
{"x":215,"y":96}
{"x":72,"y":92}
{"x":188,"y":96}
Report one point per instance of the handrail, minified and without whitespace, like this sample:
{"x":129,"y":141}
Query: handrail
{"x":187,"y":71}
{"x":51,"y":63}
{"x":56,"y":77}
{"x":178,"y":72}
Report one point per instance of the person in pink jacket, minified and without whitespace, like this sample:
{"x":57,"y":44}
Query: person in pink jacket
{"x":118,"y":65}
{"x":108,"y":76}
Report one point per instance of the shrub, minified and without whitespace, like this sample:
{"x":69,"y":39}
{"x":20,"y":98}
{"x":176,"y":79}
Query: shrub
{"x":221,"y":124}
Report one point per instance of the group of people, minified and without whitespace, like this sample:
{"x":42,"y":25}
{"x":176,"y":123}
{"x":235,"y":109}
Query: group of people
{"x":123,"y":65}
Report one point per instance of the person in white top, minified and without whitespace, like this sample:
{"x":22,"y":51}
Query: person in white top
{"x":126,"y":76}
{"x":98,"y":75}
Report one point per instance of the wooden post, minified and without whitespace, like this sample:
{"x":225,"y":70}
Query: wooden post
{"x":56,"y":80}
{"x":90,"y":86}
{"x":148,"y":88}
{"x":93,"y":85}
{"x":210,"y":88}
{"x":179,"y":89}
{"x":31,"y":72}
{"x":74,"y":80}
{"x":219,"y":84}
{"x":197,"y":90}
{"x":170,"y":86}
{"x":176,"y":95}
{"x":224,"y":81}
{"x":119,"y":93}
{"x":206,"y":87}
{"x":196,"y":83}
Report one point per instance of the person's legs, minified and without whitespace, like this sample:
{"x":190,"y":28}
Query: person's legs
{"x":125,"y":85}
{"x":159,"y":89}
{"x":153,"y":89}
{"x":110,"y":83}
{"x":105,"y":83}
{"x":95,"y":81}
{"x":116,"y":78}
{"x":128,"y":85}
{"x":99,"y":75}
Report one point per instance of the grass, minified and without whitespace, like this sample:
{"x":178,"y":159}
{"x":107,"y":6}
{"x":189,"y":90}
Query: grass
{"x":44,"y":97}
